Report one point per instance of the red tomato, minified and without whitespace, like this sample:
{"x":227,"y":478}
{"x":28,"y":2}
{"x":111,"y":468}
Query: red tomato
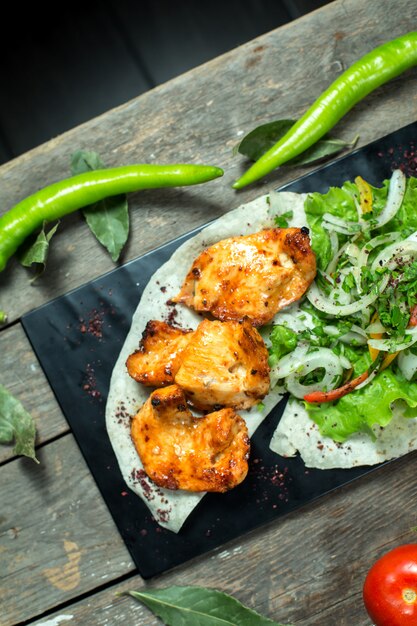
{"x":390,"y":588}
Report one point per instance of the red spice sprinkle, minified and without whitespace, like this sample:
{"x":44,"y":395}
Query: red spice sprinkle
{"x":139,"y":476}
{"x":403,"y":158}
{"x":172,"y":315}
{"x":90,"y":384}
{"x":163,"y":515}
{"x":274,"y":476}
{"x":94,"y":326}
{"x":123,"y":493}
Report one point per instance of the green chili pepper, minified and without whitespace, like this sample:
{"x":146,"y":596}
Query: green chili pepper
{"x":374,"y":69}
{"x":66,"y":196}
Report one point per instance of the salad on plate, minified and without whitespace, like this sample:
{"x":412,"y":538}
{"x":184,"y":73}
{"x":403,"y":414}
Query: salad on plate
{"x":347,"y":353}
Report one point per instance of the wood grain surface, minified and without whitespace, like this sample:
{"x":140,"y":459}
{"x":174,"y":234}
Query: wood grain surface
{"x":61,"y":557}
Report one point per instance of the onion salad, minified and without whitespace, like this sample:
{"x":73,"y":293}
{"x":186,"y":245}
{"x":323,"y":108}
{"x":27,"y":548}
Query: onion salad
{"x":354,"y":327}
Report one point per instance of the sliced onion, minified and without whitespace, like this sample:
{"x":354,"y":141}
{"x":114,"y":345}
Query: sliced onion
{"x":344,"y":362}
{"x":334,"y":242}
{"x":387,"y":257}
{"x":320,"y":358}
{"x":359,"y":331}
{"x":355,"y":334}
{"x":352,"y":338}
{"x":294,"y":318}
{"x":407,"y":363}
{"x":369,"y":379}
{"x":338,"y":221}
{"x":322,"y":303}
{"x":288,"y":364}
{"x":331,"y":330}
{"x":338,"y":229}
{"x":377,"y":241}
{"x":376,"y":328}
{"x":387,"y":345}
{"x":395,"y":198}
{"x":333,"y":262}
{"x":352,"y":250}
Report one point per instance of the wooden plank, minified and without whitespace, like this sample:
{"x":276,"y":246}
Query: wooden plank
{"x":199,"y":117}
{"x":21,"y":374}
{"x":305,"y":569}
{"x":57,"y":538}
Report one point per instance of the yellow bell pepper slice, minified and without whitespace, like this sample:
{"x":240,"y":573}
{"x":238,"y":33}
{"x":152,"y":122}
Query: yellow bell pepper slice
{"x":365,"y":194}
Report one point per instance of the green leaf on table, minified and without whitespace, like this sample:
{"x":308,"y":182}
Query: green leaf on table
{"x":197,"y":606}
{"x":262,"y":138}
{"x":85,"y":161}
{"x":3,"y":317}
{"x":17,"y":425}
{"x":37,"y":252}
{"x":108,"y":219}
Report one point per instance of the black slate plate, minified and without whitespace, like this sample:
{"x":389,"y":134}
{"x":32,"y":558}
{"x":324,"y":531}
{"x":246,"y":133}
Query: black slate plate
{"x":77,"y":338}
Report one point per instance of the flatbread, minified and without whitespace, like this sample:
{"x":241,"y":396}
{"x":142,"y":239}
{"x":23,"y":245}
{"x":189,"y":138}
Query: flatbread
{"x":126,"y":396}
{"x":298,"y":434}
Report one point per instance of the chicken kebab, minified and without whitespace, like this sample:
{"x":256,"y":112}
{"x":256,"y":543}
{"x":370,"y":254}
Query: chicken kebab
{"x":188,"y":433}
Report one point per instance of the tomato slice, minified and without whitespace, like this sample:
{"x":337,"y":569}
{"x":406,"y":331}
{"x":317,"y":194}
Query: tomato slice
{"x":390,"y":588}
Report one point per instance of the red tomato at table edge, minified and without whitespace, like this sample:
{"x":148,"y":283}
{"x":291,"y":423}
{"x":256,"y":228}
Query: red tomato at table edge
{"x":390,"y":588}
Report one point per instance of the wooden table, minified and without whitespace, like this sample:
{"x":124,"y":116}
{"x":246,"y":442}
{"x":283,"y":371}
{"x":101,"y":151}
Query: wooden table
{"x":61,"y":557}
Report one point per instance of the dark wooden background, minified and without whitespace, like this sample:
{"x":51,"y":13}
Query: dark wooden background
{"x":63,"y":66}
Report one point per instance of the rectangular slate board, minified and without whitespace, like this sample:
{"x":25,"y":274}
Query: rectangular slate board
{"x":77,"y":339}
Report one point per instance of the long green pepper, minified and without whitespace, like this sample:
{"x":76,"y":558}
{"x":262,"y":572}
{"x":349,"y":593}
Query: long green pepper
{"x":71,"y":194}
{"x":371,"y":71}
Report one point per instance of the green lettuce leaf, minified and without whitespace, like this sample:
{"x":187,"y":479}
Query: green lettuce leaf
{"x":358,"y":411}
{"x":283,"y":340}
{"x":197,"y":606}
{"x":337,"y":201}
{"x":340,"y":202}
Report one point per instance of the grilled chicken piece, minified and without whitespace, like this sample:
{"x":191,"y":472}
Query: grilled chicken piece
{"x":224,"y":364}
{"x":156,"y":361}
{"x":254,"y":275}
{"x":179,"y":451}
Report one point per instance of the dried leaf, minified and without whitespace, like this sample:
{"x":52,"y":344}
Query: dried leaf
{"x":37,"y":252}
{"x":16,"y":424}
{"x":197,"y":606}
{"x":262,"y":138}
{"x":108,"y":219}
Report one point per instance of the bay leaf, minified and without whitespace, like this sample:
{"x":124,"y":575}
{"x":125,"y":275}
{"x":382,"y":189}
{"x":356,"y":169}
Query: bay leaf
{"x":325,"y":147}
{"x":265,"y":136}
{"x":17,"y":425}
{"x":85,"y":161}
{"x":108,"y":219}
{"x":197,"y":606}
{"x":37,"y":252}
